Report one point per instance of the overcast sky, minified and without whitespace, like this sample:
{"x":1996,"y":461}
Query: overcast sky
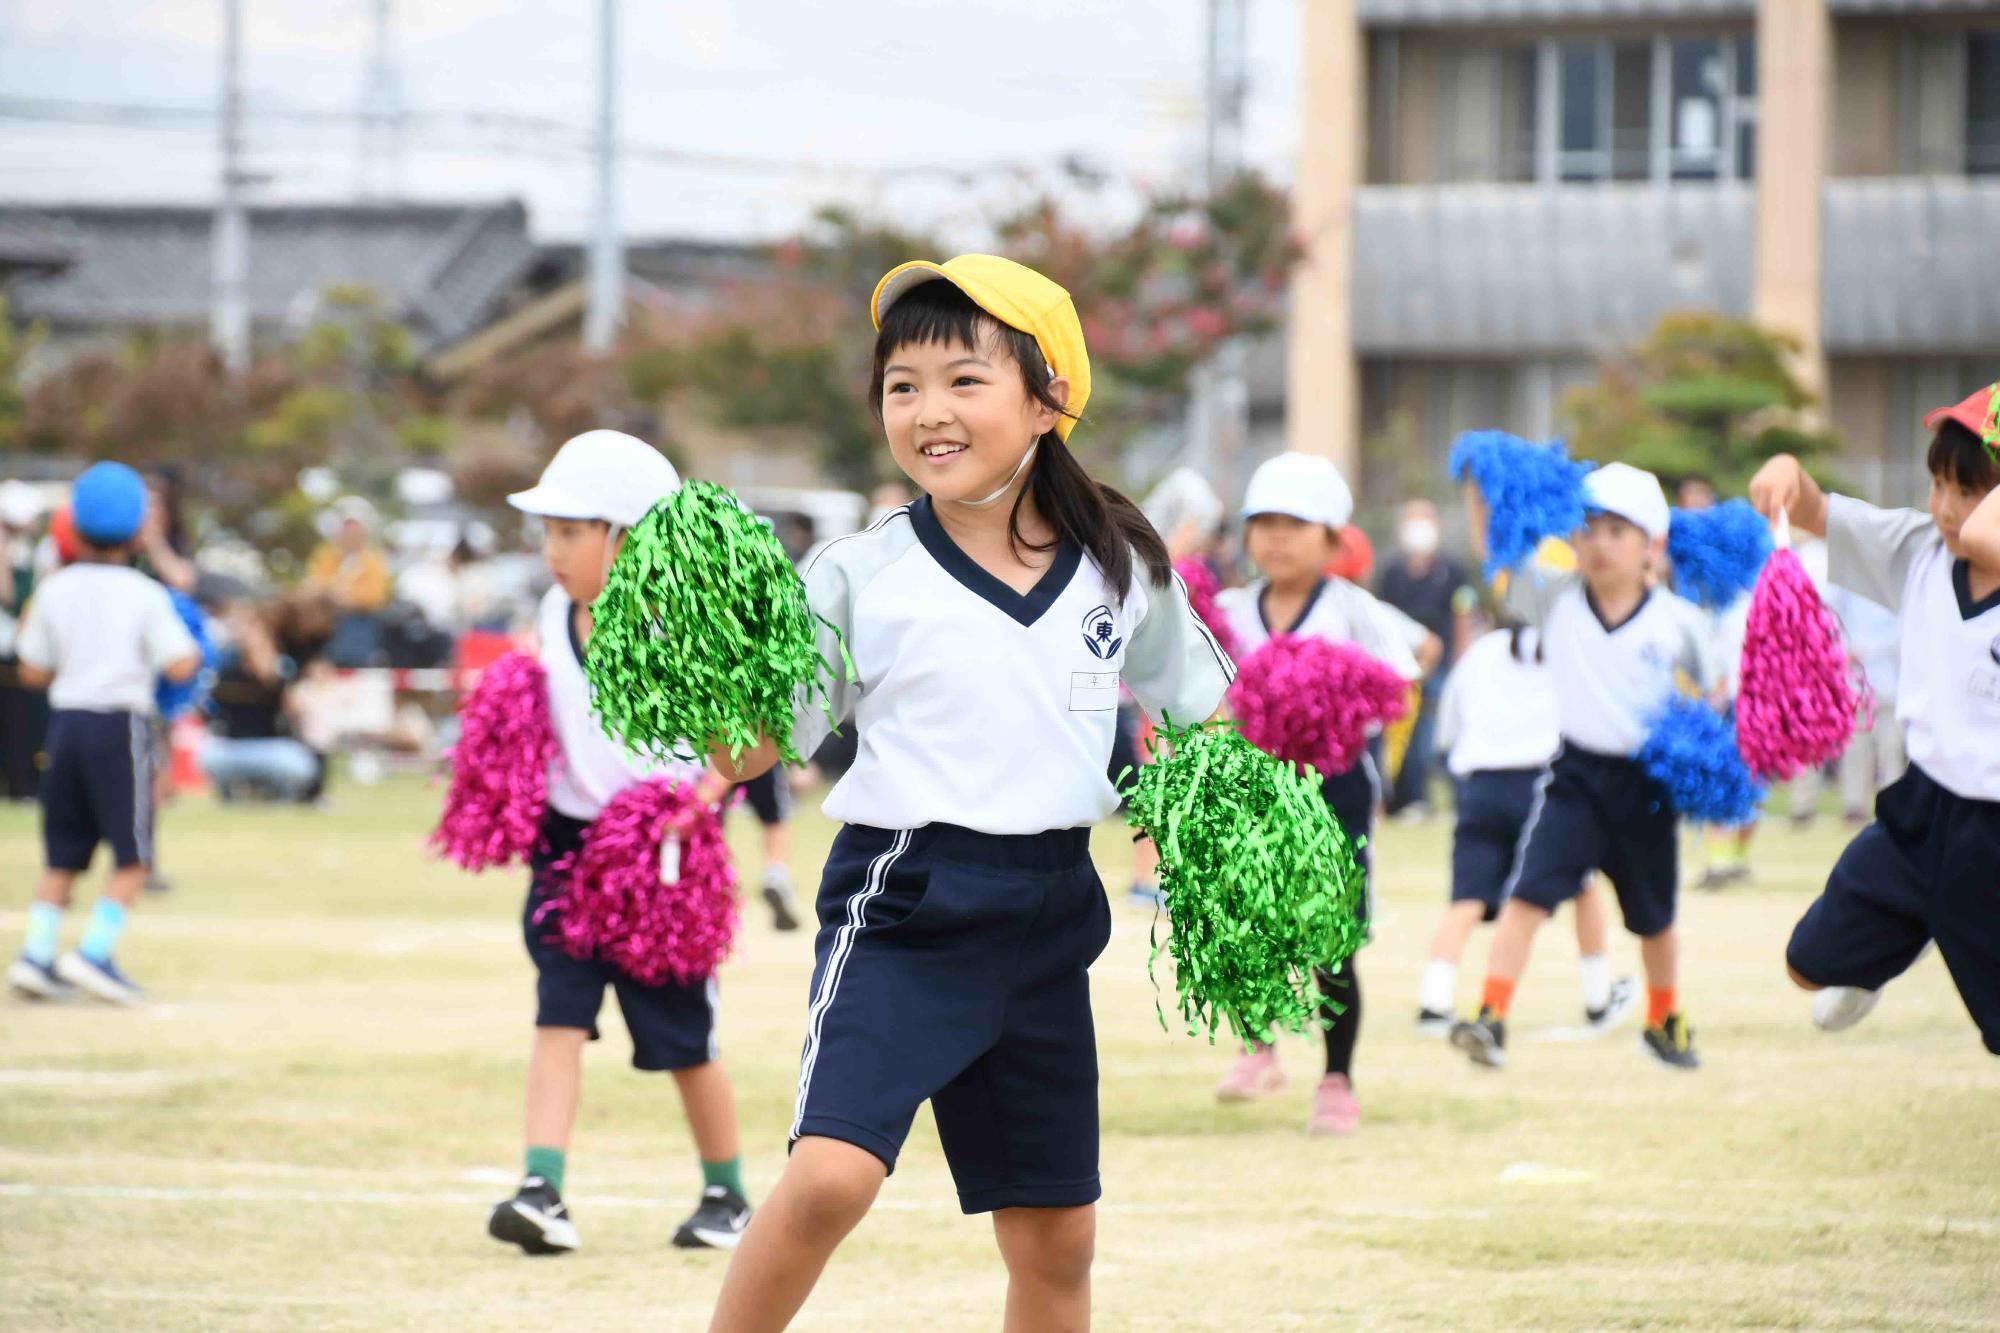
{"x":846,"y":84}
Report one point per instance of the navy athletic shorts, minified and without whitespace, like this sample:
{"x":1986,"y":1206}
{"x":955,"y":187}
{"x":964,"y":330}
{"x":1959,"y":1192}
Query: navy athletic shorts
{"x":952,"y":966}
{"x":1493,"y":808}
{"x":1927,"y":869}
{"x":672,"y":1026}
{"x":1600,"y":812}
{"x":769,"y":796}
{"x":98,"y":787}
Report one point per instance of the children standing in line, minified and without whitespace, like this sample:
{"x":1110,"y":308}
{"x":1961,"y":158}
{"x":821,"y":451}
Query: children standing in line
{"x":1929,"y":866}
{"x":990,"y":624}
{"x":1614,"y":646}
{"x":97,"y":635}
{"x":598,"y":485}
{"x":1293,"y":512}
{"x":1497,"y":729}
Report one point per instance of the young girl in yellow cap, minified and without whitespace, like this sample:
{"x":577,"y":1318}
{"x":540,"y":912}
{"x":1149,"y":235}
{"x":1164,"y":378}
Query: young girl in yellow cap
{"x":990,"y":624}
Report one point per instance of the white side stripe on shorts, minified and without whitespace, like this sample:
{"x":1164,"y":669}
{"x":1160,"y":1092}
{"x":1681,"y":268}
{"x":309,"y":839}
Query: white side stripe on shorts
{"x":1528,"y":829}
{"x":836,"y":963}
{"x":139,"y":736}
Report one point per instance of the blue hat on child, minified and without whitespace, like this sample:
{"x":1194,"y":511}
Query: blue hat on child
{"x":107,"y":504}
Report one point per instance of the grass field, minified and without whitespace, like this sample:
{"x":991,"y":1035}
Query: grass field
{"x":305,"y":1128}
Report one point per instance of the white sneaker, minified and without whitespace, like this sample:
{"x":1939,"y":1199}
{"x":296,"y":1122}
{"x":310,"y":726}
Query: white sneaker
{"x":1623,"y":999}
{"x":103,"y":980}
{"x":31,"y":979}
{"x":1837,"y":1008}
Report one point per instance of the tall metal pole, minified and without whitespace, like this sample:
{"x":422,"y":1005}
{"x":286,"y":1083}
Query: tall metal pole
{"x":229,"y":320}
{"x":604,"y":304}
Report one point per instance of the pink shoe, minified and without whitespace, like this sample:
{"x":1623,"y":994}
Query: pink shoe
{"x":1335,"y":1112}
{"x":1255,"y":1074}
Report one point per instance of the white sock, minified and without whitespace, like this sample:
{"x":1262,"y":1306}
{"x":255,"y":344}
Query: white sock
{"x":1594,"y":970}
{"x":1434,"y":992}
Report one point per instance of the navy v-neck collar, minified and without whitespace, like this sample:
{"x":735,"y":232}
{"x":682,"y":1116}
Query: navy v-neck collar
{"x":1024,"y":608}
{"x":1645,"y":596}
{"x":1961,"y":584}
{"x":1264,"y":612}
{"x":569,"y":623}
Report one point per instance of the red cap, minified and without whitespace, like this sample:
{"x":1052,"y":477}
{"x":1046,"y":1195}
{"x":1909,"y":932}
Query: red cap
{"x":1976,"y":414}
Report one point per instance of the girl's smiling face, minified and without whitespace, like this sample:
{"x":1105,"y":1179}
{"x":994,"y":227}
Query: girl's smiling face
{"x":960,"y":419}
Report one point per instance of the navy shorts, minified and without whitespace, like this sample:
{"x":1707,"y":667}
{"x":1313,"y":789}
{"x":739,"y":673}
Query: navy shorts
{"x":768,"y":796}
{"x":672,"y":1026}
{"x":952,"y":966}
{"x":98,"y":787}
{"x":1927,"y":868}
{"x":1493,"y":808}
{"x":1600,"y":812}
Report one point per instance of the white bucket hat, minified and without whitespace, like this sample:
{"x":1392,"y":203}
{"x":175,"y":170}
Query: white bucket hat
{"x":600,"y":474}
{"x":1303,"y":486}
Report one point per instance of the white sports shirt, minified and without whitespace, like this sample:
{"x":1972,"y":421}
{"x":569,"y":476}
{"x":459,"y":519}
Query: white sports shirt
{"x":1612,"y":680}
{"x":983,"y":707}
{"x":105,"y":631}
{"x":1338,"y":612}
{"x":593,"y":767}
{"x":1498,"y":710}
{"x":1948,"y":685}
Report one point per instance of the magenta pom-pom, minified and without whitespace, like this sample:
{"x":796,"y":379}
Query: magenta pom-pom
{"x":499,"y":768}
{"x":615,"y":905}
{"x":1315,"y":702}
{"x":1799,"y":701}
{"x":1202,"y":586}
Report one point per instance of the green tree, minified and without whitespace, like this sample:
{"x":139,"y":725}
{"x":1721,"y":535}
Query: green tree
{"x":1702,"y":395}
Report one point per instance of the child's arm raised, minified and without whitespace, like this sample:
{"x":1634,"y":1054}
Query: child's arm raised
{"x":1783,"y":484}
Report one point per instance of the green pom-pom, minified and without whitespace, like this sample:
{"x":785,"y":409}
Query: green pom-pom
{"x":702,"y":636}
{"x":1260,"y":883}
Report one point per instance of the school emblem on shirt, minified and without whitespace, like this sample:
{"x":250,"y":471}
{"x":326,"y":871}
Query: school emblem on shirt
{"x":1099,"y":629}
{"x":1993,"y":649}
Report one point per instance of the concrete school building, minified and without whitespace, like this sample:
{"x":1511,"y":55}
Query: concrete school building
{"x":1495,"y":192}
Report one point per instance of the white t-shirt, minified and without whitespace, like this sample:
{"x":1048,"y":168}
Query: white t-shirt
{"x":1611,"y":681}
{"x":593,"y":768}
{"x":1498,"y":710}
{"x":983,"y":707}
{"x":106,"y":631}
{"x":1338,"y":612}
{"x":1948,"y":681}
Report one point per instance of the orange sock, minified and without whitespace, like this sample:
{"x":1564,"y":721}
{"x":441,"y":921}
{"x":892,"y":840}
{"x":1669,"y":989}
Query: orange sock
{"x":1659,"y":1003}
{"x":1498,"y":995}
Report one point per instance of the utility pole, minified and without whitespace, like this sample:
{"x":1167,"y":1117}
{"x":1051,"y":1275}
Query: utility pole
{"x":378,"y":167}
{"x":229,"y":320}
{"x":1219,"y":399}
{"x":604,"y":302}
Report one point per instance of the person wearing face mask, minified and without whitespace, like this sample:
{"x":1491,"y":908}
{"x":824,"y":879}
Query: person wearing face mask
{"x":1432,"y":589}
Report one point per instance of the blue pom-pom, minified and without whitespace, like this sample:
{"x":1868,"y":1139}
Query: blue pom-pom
{"x":1717,"y":552}
{"x":174,"y":697}
{"x":1532,"y":492}
{"x":1691,"y":753}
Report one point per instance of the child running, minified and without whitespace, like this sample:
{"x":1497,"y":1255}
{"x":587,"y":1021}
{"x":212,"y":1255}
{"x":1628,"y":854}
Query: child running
{"x":1928,"y":867}
{"x":596,"y":487}
{"x":97,"y":635}
{"x":1615,"y":647}
{"x":1497,"y":729}
{"x":990,"y":623}
{"x":1293,"y":513}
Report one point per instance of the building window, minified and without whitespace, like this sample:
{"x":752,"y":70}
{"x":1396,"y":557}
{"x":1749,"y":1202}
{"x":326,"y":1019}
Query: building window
{"x":1982,"y":104}
{"x":1665,"y":108}
{"x":1488,"y":114}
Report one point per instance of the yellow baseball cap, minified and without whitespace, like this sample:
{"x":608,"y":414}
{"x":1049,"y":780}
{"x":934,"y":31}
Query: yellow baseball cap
{"x":1018,"y":297}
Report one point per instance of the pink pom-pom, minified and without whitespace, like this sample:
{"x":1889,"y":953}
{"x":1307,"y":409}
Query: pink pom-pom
{"x":1201,"y":589}
{"x":499,"y":768}
{"x":1799,"y":702}
{"x":1315,"y":702}
{"x":615,"y":907}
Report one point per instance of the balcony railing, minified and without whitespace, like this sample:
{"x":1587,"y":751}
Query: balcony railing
{"x":1909,"y":265}
{"x":1427,"y":13}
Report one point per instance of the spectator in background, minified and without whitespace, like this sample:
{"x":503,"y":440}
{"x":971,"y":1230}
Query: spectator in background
{"x":354,"y":572}
{"x":165,"y":549}
{"x":250,"y":747}
{"x":24,"y":713}
{"x":1432,"y":589}
{"x":795,"y":534}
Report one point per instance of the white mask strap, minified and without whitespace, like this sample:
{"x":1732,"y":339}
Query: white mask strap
{"x":1001,"y":494}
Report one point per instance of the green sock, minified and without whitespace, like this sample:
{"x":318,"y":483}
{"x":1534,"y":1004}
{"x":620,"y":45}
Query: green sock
{"x":548,"y":1164}
{"x":728,"y":1174}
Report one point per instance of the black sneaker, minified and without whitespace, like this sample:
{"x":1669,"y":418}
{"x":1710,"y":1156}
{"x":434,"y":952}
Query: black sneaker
{"x":1623,"y":999}
{"x":1483,"y":1038}
{"x":717,"y":1223}
{"x":534,"y":1219}
{"x":1672,"y":1043}
{"x":1431,"y":1023}
{"x":784,"y":906}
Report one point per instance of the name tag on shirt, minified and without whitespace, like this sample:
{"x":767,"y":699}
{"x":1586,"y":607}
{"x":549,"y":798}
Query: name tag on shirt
{"x":1093,"y":691}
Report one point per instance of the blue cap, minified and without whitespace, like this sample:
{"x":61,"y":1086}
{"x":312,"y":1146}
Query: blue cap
{"x":108,"y":503}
